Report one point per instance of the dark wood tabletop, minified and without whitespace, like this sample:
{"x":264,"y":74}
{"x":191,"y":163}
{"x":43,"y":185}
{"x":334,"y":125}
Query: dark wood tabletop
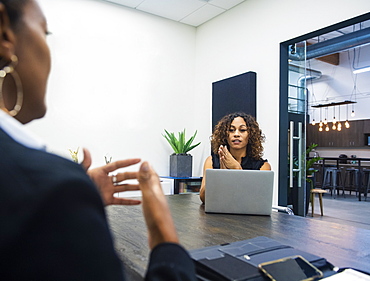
{"x":342,"y":245}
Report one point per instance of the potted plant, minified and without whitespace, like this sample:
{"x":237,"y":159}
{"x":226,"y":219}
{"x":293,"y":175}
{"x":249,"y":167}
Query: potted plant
{"x":309,"y":164}
{"x":181,"y":163}
{"x":310,"y":171}
{"x":74,"y":154}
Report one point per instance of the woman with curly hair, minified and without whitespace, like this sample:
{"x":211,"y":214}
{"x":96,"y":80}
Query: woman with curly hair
{"x":236,"y":144}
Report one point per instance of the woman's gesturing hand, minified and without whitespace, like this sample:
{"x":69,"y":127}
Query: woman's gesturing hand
{"x":155,"y":208}
{"x":108,"y":184}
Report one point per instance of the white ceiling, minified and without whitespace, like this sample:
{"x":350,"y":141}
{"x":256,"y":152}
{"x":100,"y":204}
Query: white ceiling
{"x":192,"y":12}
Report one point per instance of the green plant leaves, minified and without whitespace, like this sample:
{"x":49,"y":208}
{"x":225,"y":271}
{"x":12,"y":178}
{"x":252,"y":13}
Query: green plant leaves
{"x":310,"y":162}
{"x":180,"y":145}
{"x":170,"y":137}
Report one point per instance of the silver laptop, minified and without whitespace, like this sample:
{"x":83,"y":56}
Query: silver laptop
{"x":239,"y":191}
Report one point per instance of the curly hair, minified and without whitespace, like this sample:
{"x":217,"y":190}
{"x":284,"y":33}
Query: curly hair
{"x":255,"y":137}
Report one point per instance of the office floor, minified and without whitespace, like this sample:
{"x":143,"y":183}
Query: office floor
{"x":342,"y":210}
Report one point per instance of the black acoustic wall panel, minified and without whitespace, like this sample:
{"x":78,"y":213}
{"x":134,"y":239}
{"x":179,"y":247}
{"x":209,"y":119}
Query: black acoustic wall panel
{"x":237,"y":93}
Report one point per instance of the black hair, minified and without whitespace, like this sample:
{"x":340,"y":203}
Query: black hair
{"x":14,"y":10}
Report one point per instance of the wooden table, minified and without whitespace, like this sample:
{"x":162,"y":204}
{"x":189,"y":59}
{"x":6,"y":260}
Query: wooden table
{"x":341,"y":245}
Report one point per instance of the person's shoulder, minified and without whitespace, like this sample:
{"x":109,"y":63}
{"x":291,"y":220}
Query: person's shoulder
{"x":209,"y":159}
{"x":37,"y":170}
{"x":265,"y":165}
{"x":208,"y":163}
{"x":14,"y":152}
{"x":57,"y":171}
{"x":215,"y":160}
{"x":35,"y":179}
{"x":47,"y":181}
{"x":52,"y":163}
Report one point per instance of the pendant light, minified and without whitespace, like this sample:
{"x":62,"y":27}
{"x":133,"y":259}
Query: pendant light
{"x":313,"y":123}
{"x":336,"y":124}
{"x":339,"y":125}
{"x":354,"y":91}
{"x":334,"y":120}
{"x":346,"y":124}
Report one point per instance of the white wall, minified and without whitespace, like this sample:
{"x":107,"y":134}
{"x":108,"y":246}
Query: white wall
{"x":120,"y":77}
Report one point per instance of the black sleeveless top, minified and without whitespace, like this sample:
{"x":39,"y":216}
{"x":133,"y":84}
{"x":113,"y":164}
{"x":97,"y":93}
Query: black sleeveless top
{"x":248,"y":163}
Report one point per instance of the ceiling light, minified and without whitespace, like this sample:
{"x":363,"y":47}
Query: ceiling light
{"x":360,"y":70}
{"x":334,"y":120}
{"x":333,"y":104}
{"x":339,"y":127}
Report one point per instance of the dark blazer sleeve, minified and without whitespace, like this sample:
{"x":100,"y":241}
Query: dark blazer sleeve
{"x":76,"y":234}
{"x":169,"y":261}
{"x":56,"y":228}
{"x":53,"y":224}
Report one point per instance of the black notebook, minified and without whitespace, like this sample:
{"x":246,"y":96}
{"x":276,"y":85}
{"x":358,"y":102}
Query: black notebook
{"x":239,"y":261}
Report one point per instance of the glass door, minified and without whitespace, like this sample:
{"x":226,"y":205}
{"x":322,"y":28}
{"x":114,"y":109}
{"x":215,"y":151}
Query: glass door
{"x":298,"y":195}
{"x":293,"y":101}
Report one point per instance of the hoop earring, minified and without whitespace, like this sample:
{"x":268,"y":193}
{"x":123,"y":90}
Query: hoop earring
{"x":9,"y":69}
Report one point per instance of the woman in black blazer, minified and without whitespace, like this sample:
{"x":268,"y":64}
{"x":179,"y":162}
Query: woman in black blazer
{"x":52,"y":220}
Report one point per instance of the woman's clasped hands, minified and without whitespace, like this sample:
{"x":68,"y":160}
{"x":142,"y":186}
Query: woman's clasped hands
{"x":227,"y":161}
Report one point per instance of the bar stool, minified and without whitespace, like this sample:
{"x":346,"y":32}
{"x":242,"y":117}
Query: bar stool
{"x":366,"y":178}
{"x":318,"y":176}
{"x":320,"y":192}
{"x":332,"y":180}
{"x":351,"y":175}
